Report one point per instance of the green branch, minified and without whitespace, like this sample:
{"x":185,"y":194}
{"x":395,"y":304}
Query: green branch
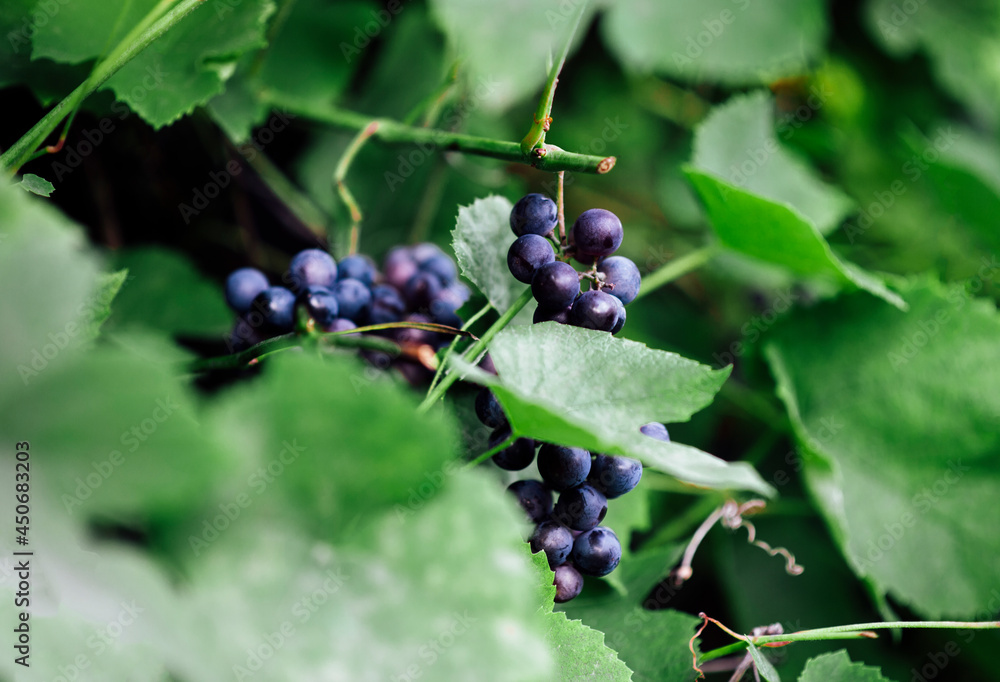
{"x":548,"y":157}
{"x":154,"y":25}
{"x":677,"y":268}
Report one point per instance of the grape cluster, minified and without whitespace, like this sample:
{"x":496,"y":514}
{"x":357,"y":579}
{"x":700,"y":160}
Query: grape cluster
{"x":569,"y":531}
{"x":555,"y":284}
{"x":417,"y":284}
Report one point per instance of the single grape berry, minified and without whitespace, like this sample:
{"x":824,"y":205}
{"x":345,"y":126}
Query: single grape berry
{"x":555,"y":540}
{"x":624,"y":275}
{"x":399,"y":266}
{"x":311,"y":266}
{"x":527,"y":254}
{"x":581,"y":508}
{"x":422,"y":289}
{"x":535,"y":499}
{"x":620,"y":319}
{"x":443,"y":313}
{"x":534,"y":214}
{"x":517,"y":456}
{"x":595,"y":310}
{"x":455,"y":295}
{"x":596,"y":233}
{"x":425,"y":251}
{"x":613,"y":475}
{"x":340,"y":324}
{"x":387,"y":305}
{"x":320,"y":304}
{"x":354,"y":299}
{"x":242,"y":287}
{"x":545,"y":315}
{"x":356,"y":267}
{"x":568,"y":582}
{"x":596,"y":552}
{"x":277,"y":305}
{"x":488,"y":409}
{"x":555,"y":285}
{"x":655,"y":430}
{"x":443,"y":266}
{"x":563,"y":468}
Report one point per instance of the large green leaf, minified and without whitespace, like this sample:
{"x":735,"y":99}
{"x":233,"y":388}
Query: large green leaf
{"x":446,"y":594}
{"x":898,"y":413}
{"x":738,"y":142}
{"x":579,"y":651}
{"x":837,"y":666}
{"x":481,"y":238}
{"x":777,"y":233}
{"x":558,"y":385}
{"x":311,"y":420}
{"x":735,"y":42}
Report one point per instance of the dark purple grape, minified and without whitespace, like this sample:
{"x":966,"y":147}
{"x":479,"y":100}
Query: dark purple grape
{"x":443,"y":266}
{"x":620,"y":317}
{"x":568,"y":582}
{"x":596,"y":233}
{"x":655,"y":430}
{"x":555,"y":285}
{"x":242,"y":287}
{"x":416,"y":336}
{"x":614,"y":475}
{"x":354,"y":299}
{"x":357,"y":267}
{"x":581,"y":508}
{"x":311,"y":267}
{"x":455,"y":295}
{"x":545,"y":315}
{"x":527,"y":254}
{"x":534,"y":214}
{"x":515,"y":457}
{"x":596,"y":552}
{"x":535,"y":499}
{"x":555,"y":540}
{"x":320,"y":304}
{"x":561,"y":467}
{"x":422,"y":289}
{"x":488,"y":409}
{"x":595,"y":310}
{"x":425,"y":251}
{"x":399,"y":266}
{"x":244,"y":333}
{"x":387,"y":305}
{"x":624,"y":275}
{"x":340,"y":324}
{"x":277,"y":305}
{"x":442,"y":313}
{"x":486,"y":364}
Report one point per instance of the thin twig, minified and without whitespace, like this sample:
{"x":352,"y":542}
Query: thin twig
{"x":340,"y":174}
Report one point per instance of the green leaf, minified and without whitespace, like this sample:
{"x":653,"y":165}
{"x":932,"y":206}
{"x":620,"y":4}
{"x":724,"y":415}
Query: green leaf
{"x":764,"y":667}
{"x":445,"y":594}
{"x":47,"y":272}
{"x":165,"y":292}
{"x":959,"y":39}
{"x":36,"y":185}
{"x":81,"y":31}
{"x":558,"y":386}
{"x":898,"y":414}
{"x":580,"y":652}
{"x":481,"y":239}
{"x":836,"y":666}
{"x":738,"y":142}
{"x":503,"y":71}
{"x":777,"y":233}
{"x":99,"y":308}
{"x":727,"y":41}
{"x":311,"y":419}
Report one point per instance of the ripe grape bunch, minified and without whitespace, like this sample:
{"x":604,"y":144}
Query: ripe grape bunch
{"x":555,"y":284}
{"x":417,"y":284}
{"x":569,"y":531}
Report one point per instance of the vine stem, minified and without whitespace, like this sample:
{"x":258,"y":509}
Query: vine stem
{"x":548,"y":157}
{"x":560,"y":196}
{"x":155,"y":24}
{"x":489,"y":453}
{"x":677,"y":268}
{"x":454,"y":342}
{"x":475,"y":350}
{"x":339,"y":176}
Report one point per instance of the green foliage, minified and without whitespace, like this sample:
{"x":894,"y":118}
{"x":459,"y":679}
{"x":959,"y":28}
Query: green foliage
{"x":763,"y":665}
{"x":889,"y":485}
{"x":481,"y":239}
{"x":837,"y":666}
{"x":36,"y":185}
